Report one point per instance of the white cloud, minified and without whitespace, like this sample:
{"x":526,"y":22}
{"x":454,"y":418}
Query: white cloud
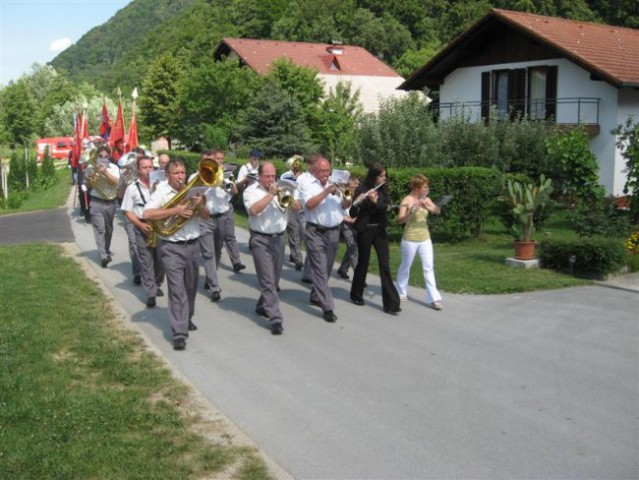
{"x":59,"y":44}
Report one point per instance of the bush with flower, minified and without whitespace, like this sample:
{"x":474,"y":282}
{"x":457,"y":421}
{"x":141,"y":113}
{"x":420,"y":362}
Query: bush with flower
{"x":632,"y":244}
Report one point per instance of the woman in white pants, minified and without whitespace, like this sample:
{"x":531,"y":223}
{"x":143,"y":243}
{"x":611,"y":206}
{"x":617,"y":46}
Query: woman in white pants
{"x":413,"y":212}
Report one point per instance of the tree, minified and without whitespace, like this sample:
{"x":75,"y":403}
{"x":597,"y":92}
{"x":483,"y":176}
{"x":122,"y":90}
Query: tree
{"x":340,"y":113}
{"x":214,"y":93}
{"x":18,"y":112}
{"x":275,"y":124}
{"x":48,"y":89}
{"x":628,"y":143}
{"x":158,"y":96}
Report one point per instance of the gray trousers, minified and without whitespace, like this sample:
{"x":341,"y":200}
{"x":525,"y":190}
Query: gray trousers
{"x":224,"y":235}
{"x":151,"y":266}
{"x":268,"y":257}
{"x":207,"y":248}
{"x":322,"y":246}
{"x":102,"y":215}
{"x":182,"y":269}
{"x":295,"y":232}
{"x":350,"y":255}
{"x":133,"y":246}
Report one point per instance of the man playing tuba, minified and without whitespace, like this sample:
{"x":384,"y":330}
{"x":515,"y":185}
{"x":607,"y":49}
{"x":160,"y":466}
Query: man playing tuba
{"x":179,"y":250}
{"x":103,"y":177}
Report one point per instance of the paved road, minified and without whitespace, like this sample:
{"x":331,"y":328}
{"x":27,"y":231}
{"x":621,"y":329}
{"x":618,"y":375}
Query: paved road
{"x":43,"y":225}
{"x":537,"y":385}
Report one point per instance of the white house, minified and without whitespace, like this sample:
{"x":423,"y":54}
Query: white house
{"x":334,"y":63}
{"x":576,"y":73}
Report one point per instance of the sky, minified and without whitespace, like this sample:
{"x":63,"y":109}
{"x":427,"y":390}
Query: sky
{"x":37,"y":30}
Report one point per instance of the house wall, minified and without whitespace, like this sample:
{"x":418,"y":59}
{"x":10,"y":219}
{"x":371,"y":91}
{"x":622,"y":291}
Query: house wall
{"x":371,"y":89}
{"x":464,"y":85}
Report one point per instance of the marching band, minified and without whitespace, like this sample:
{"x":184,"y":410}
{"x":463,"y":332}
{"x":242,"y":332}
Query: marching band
{"x":174,"y":226}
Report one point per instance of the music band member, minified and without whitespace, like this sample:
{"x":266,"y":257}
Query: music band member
{"x":103,"y":208}
{"x":324,"y":214}
{"x":267,"y":224}
{"x":222,"y":210}
{"x":296,"y":220}
{"x":371,"y":211}
{"x":179,"y":251}
{"x":135,"y":199}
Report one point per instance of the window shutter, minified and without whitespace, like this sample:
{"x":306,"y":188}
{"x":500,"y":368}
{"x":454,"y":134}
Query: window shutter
{"x":485,"y":95}
{"x":551,"y":91}
{"x":517,"y":91}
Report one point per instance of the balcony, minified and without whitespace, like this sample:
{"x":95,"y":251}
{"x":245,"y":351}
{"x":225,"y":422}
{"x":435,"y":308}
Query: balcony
{"x":567,"y":113}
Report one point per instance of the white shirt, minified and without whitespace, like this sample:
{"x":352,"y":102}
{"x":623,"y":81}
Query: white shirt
{"x":134,"y":202}
{"x":246,"y":169}
{"x":217,"y":199}
{"x":329,"y":212}
{"x":114,"y":170}
{"x":162,"y":195}
{"x":270,"y":220}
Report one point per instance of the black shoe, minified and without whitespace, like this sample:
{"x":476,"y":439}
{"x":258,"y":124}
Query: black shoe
{"x":315,"y":303}
{"x":344,"y":275}
{"x":276,"y":328}
{"x":238,"y":267}
{"x":299,"y":266}
{"x":357,"y":301}
{"x":206,"y":285}
{"x":307,"y":280}
{"x":329,"y":316}
{"x":137,"y":280}
{"x":150,"y":302}
{"x":291,"y":259}
{"x":261,"y":312}
{"x":104,"y":262}
{"x":159,"y":293}
{"x":192,"y":326}
{"x":215,"y":297}
{"x":393,"y":311}
{"x":179,"y":344}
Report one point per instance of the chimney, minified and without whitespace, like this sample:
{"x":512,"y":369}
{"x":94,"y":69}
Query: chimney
{"x":335,"y":47}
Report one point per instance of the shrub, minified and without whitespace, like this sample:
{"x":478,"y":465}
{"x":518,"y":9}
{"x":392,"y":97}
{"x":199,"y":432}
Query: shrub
{"x":16,"y":199}
{"x":601,"y":218}
{"x":593,"y":256}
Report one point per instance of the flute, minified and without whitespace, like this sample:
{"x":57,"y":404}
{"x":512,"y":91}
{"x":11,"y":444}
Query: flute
{"x":356,"y":202}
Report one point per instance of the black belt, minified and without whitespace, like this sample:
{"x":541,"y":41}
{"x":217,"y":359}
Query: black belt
{"x":218,"y":215}
{"x":254,"y":232}
{"x":322,"y":229}
{"x":102,"y":200}
{"x":182,"y":242}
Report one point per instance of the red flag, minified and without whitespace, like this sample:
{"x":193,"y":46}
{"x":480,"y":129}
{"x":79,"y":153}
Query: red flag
{"x":105,"y":122}
{"x":77,"y":139}
{"x":132,"y":138}
{"x":85,"y":126}
{"x":116,"y":140}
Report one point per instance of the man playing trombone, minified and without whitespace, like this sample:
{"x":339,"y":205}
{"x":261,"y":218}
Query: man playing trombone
{"x":179,"y":250}
{"x":267,"y":223}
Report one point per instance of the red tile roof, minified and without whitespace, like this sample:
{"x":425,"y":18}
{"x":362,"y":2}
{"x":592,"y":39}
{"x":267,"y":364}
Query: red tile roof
{"x":611,"y":51}
{"x":260,"y":54}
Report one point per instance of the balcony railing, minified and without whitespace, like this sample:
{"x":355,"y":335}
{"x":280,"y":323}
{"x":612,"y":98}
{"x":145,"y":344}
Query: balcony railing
{"x":563,"y":111}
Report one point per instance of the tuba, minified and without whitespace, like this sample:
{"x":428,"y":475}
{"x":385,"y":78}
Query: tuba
{"x":285,"y":190}
{"x":209,"y":174}
{"x":97,"y":181}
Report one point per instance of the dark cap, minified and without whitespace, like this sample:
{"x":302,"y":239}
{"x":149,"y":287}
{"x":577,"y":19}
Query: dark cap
{"x":255,"y":153}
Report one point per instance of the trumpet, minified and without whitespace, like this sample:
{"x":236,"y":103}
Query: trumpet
{"x":344,"y":191}
{"x":285,"y":189}
{"x":229,"y":181}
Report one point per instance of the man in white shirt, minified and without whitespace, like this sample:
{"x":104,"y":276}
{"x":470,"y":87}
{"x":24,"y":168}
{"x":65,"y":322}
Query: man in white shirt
{"x":296,"y":220}
{"x":135,"y":199}
{"x":179,"y":251}
{"x":248,"y":172}
{"x":267,"y":224}
{"x":324,"y":208}
{"x":102,"y":209}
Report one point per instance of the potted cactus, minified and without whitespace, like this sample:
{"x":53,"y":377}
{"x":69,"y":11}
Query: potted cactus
{"x":524,"y":199}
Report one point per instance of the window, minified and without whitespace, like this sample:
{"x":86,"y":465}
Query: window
{"x":520,"y":91}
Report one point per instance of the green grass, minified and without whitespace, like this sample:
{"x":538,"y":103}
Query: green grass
{"x":81,"y":396}
{"x":53,"y":197}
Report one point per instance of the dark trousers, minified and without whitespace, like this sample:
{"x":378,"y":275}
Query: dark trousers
{"x":268,"y":256}
{"x":224,"y":235}
{"x":350,"y":255}
{"x":151,"y":266}
{"x":376,"y":237}
{"x":322,"y":247}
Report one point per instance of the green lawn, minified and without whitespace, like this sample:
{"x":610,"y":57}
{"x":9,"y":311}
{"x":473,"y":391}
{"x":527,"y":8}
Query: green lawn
{"x":52,"y":197}
{"x":82,"y":397}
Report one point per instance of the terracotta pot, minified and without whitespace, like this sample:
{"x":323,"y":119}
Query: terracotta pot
{"x":525,"y":250}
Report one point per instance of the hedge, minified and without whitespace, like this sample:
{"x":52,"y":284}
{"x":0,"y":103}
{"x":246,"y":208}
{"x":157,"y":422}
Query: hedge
{"x":593,"y":256}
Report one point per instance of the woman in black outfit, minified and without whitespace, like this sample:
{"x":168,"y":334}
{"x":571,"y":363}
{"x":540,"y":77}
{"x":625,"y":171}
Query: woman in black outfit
{"x":370,"y":209}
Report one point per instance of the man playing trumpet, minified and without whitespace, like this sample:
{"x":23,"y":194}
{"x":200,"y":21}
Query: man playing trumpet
{"x":179,"y":251}
{"x":267,"y":223}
